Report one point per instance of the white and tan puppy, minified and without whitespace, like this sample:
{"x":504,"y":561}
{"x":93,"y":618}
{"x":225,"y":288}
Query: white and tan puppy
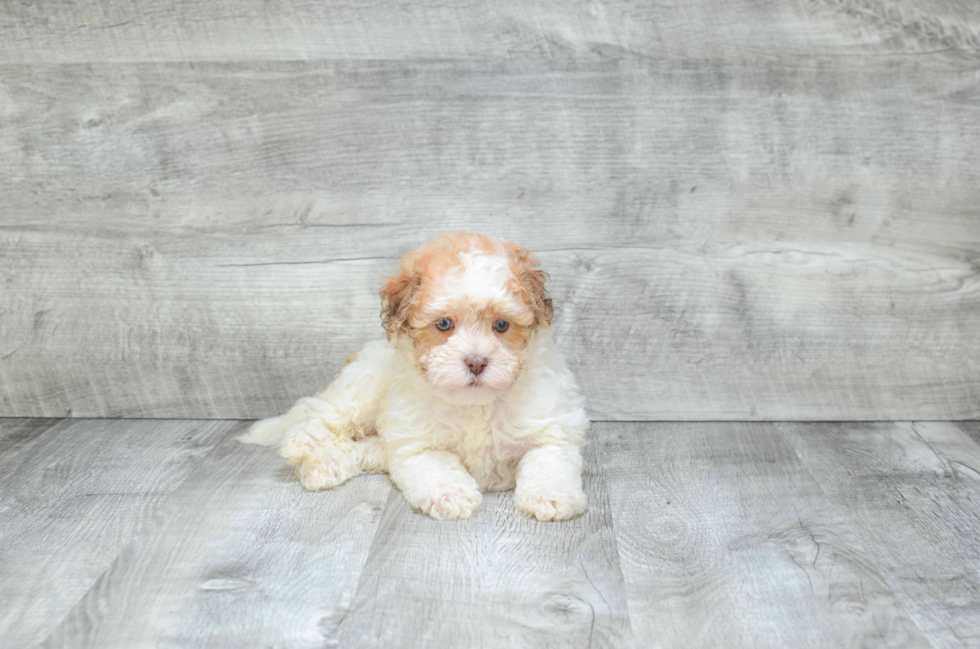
{"x":467,"y":394}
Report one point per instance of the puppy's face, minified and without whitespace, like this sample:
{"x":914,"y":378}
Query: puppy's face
{"x":467,"y":305}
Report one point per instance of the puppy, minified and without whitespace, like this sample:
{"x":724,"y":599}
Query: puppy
{"x":468,"y":392}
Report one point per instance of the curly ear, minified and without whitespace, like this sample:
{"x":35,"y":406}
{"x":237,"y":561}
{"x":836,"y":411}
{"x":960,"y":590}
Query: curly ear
{"x":397,"y":296}
{"x":533,"y":280}
{"x":531,"y":283}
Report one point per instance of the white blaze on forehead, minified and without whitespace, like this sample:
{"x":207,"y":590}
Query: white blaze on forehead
{"x":483,"y":279}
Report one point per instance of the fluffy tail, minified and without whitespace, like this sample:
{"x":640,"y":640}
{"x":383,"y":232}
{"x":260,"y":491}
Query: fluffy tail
{"x":345,"y":411}
{"x":267,"y":432}
{"x":272,"y":431}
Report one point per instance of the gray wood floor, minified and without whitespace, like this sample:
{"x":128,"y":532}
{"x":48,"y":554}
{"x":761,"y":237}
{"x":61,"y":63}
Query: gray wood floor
{"x":167,"y":533}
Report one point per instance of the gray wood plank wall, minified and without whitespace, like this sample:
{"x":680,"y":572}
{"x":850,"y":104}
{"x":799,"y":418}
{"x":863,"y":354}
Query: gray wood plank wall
{"x":750,"y":211}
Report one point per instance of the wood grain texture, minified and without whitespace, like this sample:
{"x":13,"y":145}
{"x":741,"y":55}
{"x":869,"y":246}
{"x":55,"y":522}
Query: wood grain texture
{"x":17,"y":434}
{"x":912,"y":493}
{"x":114,"y":30}
{"x":698,"y":535}
{"x":71,"y":498}
{"x":500,"y":579}
{"x":767,"y":239}
{"x":971,"y":428}
{"x":725,"y":539}
{"x":239,"y":556}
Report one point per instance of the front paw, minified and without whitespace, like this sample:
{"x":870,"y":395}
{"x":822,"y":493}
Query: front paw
{"x":551,"y":505}
{"x":451,"y":501}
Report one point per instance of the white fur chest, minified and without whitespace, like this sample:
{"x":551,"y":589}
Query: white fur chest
{"x":484,"y":439}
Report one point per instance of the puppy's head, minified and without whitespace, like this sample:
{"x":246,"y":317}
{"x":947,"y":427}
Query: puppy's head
{"x":467,"y":306}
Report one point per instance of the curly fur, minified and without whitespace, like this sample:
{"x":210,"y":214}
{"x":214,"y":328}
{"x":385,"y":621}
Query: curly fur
{"x":409,"y":405}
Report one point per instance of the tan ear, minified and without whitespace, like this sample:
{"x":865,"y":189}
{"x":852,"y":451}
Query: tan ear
{"x":540,"y":303}
{"x":397,"y":296}
{"x":531,"y":283}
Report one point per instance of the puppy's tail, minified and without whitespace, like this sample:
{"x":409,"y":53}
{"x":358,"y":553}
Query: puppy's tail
{"x":267,"y":432}
{"x":272,"y":431}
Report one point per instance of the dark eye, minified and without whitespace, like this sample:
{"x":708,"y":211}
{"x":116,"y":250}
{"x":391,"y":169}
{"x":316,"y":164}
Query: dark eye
{"x":500,"y":326}
{"x":445,"y":324}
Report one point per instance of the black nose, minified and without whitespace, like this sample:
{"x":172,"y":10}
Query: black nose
{"x":476,"y":364}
